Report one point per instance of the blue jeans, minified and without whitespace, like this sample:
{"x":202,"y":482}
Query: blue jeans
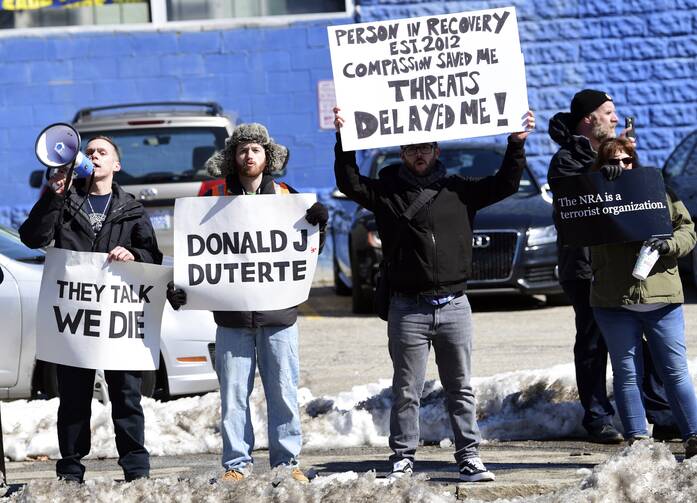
{"x":414,"y":325}
{"x":665,"y":332}
{"x":237,"y":352}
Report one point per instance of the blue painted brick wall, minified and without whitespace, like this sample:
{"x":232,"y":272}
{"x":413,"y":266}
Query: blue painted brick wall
{"x":644,"y":52}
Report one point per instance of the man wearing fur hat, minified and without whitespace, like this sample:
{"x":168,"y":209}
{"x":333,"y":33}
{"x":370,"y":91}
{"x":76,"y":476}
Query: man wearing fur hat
{"x":592,"y":118}
{"x":267,"y":338}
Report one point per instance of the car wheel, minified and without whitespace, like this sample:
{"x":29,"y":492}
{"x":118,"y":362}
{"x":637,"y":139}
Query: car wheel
{"x":147,"y":386}
{"x":49,"y":380}
{"x":557,"y":299}
{"x":361,"y":297}
{"x":339,"y":286}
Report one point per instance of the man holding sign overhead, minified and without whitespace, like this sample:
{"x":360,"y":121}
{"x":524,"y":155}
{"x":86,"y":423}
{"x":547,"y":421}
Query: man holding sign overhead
{"x":96,"y":217}
{"x":245,"y":339}
{"x":431,"y":260}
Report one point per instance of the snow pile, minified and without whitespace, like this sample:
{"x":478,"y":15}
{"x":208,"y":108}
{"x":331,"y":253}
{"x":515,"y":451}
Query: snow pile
{"x":528,"y":404}
{"x":274,"y":486}
{"x":643,"y":473}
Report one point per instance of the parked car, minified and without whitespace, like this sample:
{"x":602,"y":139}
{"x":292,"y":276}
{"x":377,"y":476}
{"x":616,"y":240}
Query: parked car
{"x":187,"y":341}
{"x":680,"y":173}
{"x":164,"y":146}
{"x":513,"y":243}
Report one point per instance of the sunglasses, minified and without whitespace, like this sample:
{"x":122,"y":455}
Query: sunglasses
{"x":624,"y":160}
{"x":422,"y":149}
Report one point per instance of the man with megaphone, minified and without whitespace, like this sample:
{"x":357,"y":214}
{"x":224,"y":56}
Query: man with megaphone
{"x":93,"y":214}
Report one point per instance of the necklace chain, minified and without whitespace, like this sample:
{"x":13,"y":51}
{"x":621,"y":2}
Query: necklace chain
{"x":96,"y":218}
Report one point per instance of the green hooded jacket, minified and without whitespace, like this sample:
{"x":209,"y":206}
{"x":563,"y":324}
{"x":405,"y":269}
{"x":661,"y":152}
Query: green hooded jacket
{"x":613,"y":284}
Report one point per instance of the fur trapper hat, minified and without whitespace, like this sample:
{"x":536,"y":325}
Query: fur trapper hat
{"x":222,"y":163}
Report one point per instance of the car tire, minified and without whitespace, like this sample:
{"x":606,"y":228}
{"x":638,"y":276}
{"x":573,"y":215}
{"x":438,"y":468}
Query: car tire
{"x":557,"y":299}
{"x":340,"y":288}
{"x":147,"y":386}
{"x":361,"y":297}
{"x":49,"y":380}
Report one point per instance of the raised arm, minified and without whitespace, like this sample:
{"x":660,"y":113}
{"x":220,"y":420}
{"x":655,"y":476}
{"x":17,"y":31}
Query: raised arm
{"x":356,"y":187}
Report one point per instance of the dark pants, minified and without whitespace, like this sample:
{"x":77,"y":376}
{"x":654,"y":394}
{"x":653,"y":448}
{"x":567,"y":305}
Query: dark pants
{"x":590,"y":359}
{"x":75,"y":386}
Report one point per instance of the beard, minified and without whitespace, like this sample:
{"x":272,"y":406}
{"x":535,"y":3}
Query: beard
{"x":602,"y":131}
{"x":411,"y":166}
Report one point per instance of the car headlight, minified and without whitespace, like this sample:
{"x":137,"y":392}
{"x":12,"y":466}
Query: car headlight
{"x":542,"y":235}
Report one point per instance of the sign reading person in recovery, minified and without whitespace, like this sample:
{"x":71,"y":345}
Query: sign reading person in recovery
{"x":592,"y":210}
{"x":429,"y":78}
{"x":244,"y":253}
{"x":100,"y":315}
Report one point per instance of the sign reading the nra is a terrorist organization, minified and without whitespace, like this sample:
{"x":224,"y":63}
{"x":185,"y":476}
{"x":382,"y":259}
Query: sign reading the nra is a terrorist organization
{"x":100,"y":315}
{"x":429,"y":78}
{"x":244,"y":253}
{"x":591,"y":210}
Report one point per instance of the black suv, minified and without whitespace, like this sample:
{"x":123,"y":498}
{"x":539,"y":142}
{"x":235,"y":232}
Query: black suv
{"x":514,"y":248}
{"x":680,"y":173}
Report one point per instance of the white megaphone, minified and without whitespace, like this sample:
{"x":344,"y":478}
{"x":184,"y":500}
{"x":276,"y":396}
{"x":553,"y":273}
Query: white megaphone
{"x":58,"y":146}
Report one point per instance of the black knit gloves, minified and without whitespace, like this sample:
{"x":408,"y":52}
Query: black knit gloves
{"x":175,"y":296}
{"x":658,"y":244}
{"x":611,"y":171}
{"x":317,"y":214}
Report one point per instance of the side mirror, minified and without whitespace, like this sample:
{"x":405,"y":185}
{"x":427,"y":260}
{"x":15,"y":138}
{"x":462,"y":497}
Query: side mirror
{"x":36,"y":178}
{"x":337,"y":194}
{"x":546,"y":192}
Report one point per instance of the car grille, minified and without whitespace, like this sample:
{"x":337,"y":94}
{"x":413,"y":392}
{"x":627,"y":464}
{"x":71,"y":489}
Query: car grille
{"x":211,"y":353}
{"x":540,"y":274}
{"x":495,"y":261}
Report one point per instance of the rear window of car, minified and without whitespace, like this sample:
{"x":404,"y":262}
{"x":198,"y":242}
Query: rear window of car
{"x":683,"y":160}
{"x":12,"y":247}
{"x":164,"y":155}
{"x":469,"y":163}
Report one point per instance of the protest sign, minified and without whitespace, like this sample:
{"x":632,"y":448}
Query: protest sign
{"x":242,"y":253}
{"x":591,"y":210}
{"x":100,"y":315}
{"x":429,"y":78}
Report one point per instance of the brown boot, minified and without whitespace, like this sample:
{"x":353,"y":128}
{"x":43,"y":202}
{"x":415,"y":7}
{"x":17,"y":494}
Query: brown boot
{"x":297,"y":474}
{"x":233,"y":476}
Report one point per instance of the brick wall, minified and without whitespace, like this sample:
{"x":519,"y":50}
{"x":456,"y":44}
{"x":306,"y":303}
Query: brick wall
{"x":643,"y":52}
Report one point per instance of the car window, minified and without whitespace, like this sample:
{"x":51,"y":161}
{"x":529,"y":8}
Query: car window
{"x":162,"y":155}
{"x":12,"y":247}
{"x":470,"y":163}
{"x":683,"y":160}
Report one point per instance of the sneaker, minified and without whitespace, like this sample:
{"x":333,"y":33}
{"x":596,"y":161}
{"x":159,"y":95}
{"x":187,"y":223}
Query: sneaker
{"x":473,"y":470}
{"x":606,"y":434}
{"x":691,"y":447}
{"x":664,"y":433}
{"x":297,"y":474}
{"x":402,"y":468}
{"x":636,"y":438}
{"x":233,"y":476}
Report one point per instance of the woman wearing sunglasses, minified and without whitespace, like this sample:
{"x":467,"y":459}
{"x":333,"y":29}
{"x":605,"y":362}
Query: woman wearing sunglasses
{"x":627,"y":309}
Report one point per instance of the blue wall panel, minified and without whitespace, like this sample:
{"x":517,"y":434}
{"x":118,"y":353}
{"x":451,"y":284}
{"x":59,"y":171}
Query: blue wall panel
{"x":643,"y":52}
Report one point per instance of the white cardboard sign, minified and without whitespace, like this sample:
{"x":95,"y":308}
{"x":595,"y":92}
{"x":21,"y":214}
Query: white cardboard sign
{"x":100,"y":315}
{"x":429,"y":78}
{"x":244,"y":253}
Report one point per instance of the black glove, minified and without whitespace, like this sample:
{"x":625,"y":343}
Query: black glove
{"x":317,"y":214}
{"x":175,"y":296}
{"x":611,"y":171}
{"x":658,"y":244}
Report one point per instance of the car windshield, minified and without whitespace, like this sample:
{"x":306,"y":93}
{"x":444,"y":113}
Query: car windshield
{"x":12,"y":247}
{"x":162,"y":155}
{"x":469,"y":162}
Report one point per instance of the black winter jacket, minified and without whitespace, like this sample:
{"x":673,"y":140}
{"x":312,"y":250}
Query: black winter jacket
{"x":253,"y":319}
{"x":434,"y":255}
{"x":575,"y":157}
{"x":64,"y":219}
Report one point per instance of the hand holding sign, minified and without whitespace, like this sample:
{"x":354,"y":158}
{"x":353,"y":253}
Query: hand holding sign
{"x":529,"y":126}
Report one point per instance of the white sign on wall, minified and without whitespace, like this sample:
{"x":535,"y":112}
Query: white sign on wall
{"x":429,"y":78}
{"x":326,"y":100}
{"x":100,"y":315}
{"x":244,"y":253}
